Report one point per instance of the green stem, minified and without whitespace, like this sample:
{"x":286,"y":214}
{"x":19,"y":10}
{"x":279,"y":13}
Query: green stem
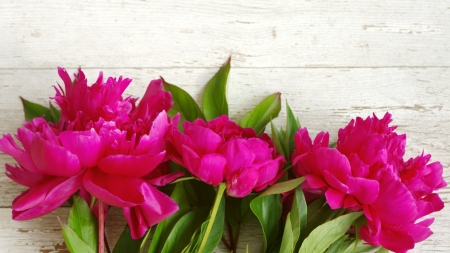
{"x":215,"y":208}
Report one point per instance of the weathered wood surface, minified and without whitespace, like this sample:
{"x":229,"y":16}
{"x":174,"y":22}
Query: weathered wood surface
{"x":331,"y":60}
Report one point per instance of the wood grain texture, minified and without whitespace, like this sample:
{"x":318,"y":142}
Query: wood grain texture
{"x":118,"y":34}
{"x":331,"y":60}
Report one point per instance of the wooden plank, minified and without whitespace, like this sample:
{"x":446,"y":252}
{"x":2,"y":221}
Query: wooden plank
{"x":120,"y":34}
{"x":323,"y":99}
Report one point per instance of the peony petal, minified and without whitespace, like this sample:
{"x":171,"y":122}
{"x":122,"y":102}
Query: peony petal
{"x":45,"y":197}
{"x":396,"y":241}
{"x":302,"y":141}
{"x":395,"y":204}
{"x":154,"y":142}
{"x":260,"y":148}
{"x":335,"y":198}
{"x":315,"y":182}
{"x":322,"y":140}
{"x":191,"y":160}
{"x":9,"y":147}
{"x":211,"y":169}
{"x":364,"y":190}
{"x":429,"y":204}
{"x":238,"y":155}
{"x":333,"y":182}
{"x":334,"y":162}
{"x":114,"y":190}
{"x":153,"y":102}
{"x":156,"y":207}
{"x":24,"y":177}
{"x":373,"y":149}
{"x":359,"y":169}
{"x":270,"y":171}
{"x":242,"y":182}
{"x":87,"y":145}
{"x":129,"y":165}
{"x":54,"y":160}
{"x":204,"y":139}
{"x":165,"y":179}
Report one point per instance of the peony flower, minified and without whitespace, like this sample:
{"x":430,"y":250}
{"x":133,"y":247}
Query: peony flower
{"x":367,"y":172}
{"x":105,"y":145}
{"x":342,"y":179}
{"x":51,"y":170}
{"x":82,"y":105}
{"x":221,"y":151}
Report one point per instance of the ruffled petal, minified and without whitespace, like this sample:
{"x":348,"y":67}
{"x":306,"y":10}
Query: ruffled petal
{"x":45,"y":197}
{"x":114,"y":190}
{"x":87,"y":145}
{"x":212,"y":168}
{"x":156,"y":207}
{"x":24,"y":177}
{"x":241,"y":183}
{"x":130,"y":166}
{"x":238,"y":155}
{"x":54,"y":160}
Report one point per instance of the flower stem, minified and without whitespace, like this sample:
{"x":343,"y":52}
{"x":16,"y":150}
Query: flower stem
{"x":215,"y":208}
{"x":101,"y":227}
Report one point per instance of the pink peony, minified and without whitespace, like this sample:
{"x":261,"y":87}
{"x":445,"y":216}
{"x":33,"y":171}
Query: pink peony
{"x":105,"y":144}
{"x":221,"y":151}
{"x":366,"y":172}
{"x":82,"y":105}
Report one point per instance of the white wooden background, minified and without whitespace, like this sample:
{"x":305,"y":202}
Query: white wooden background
{"x":332,"y":60}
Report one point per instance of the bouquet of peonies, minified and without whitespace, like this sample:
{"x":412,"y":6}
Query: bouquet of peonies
{"x":188,"y":178}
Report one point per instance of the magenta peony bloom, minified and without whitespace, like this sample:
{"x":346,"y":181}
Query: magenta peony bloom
{"x":52,"y":171}
{"x":221,"y":151}
{"x":103,"y":144}
{"x":82,"y":105}
{"x":367,"y":172}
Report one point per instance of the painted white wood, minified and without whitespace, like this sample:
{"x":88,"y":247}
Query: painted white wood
{"x":200,"y":33}
{"x":332,"y":60}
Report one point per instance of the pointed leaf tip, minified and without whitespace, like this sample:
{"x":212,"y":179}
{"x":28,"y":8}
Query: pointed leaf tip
{"x":214,"y":98}
{"x":263,"y":113}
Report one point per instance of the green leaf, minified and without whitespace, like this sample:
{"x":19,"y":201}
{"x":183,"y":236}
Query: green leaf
{"x":126,"y":243}
{"x":337,"y":245}
{"x":324,"y":235}
{"x":184,"y":103}
{"x":357,"y":247}
{"x":361,"y":221}
{"x":214,"y":99}
{"x":74,"y":242}
{"x":199,"y":193}
{"x":54,"y":113}
{"x":184,"y":229}
{"x":382,"y":250}
{"x":164,"y":228}
{"x":278,"y":140}
{"x":212,"y":229}
{"x":263,"y":113}
{"x":268,"y":211}
{"x":33,"y":110}
{"x":287,"y":243}
{"x":320,"y":217}
{"x":283,"y":187}
{"x":298,"y":216}
{"x":83,"y":222}
{"x":292,"y":125}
